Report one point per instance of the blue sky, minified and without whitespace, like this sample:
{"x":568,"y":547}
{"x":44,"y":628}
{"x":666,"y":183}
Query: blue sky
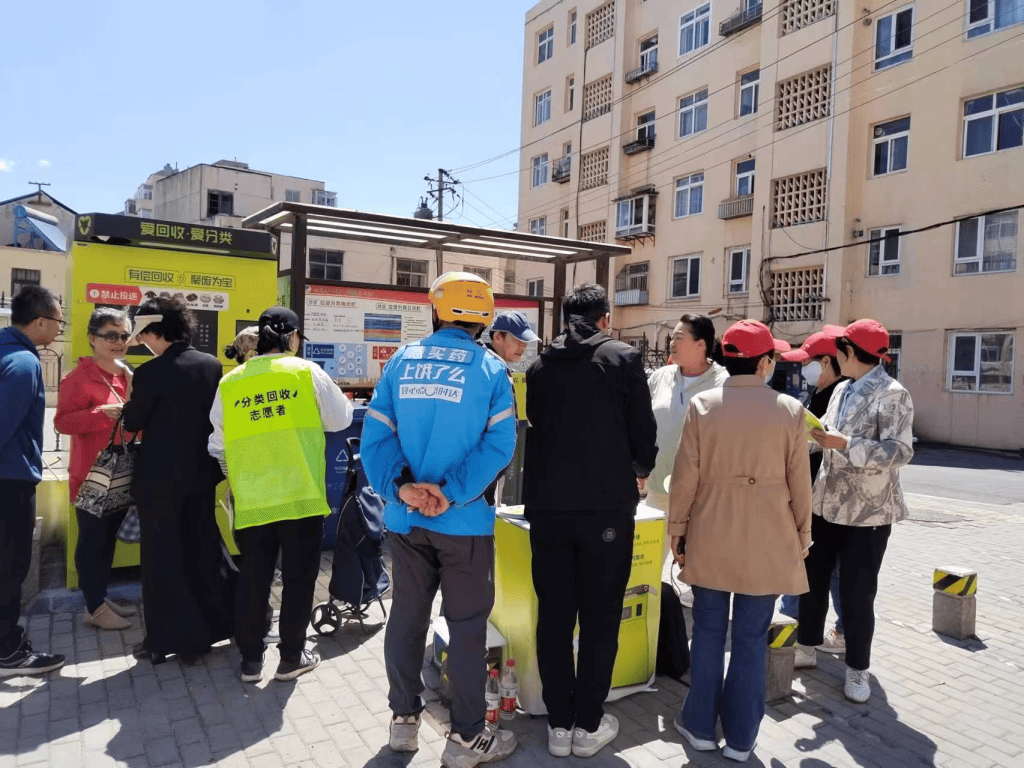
{"x":367,"y":97}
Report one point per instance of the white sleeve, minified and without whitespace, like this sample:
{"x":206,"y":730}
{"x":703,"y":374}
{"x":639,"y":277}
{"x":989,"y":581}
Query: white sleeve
{"x":215,"y":445}
{"x":335,"y":407}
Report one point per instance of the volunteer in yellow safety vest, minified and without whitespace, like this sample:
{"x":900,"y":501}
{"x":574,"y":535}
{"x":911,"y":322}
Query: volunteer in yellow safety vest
{"x":269,"y":419}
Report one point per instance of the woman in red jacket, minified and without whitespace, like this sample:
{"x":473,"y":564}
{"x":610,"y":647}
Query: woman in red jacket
{"x":90,"y":400}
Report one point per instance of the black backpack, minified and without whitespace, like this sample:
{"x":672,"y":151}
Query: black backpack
{"x":673,"y":642}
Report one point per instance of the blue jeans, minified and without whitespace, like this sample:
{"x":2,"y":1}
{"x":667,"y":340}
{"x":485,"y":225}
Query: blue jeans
{"x":740,"y":701}
{"x":791,"y":603}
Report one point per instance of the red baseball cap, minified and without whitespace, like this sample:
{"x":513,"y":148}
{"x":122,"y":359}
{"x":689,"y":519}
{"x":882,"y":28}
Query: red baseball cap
{"x":748,"y":338}
{"x":782,"y":346}
{"x":870,"y":335}
{"x":816,"y":345}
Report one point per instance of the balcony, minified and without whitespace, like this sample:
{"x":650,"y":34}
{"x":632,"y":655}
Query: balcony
{"x":634,"y":232}
{"x":638,"y":146}
{"x":560,"y":169}
{"x":735,"y":207}
{"x":631,"y":297}
{"x":743,"y":18}
{"x":649,"y":66}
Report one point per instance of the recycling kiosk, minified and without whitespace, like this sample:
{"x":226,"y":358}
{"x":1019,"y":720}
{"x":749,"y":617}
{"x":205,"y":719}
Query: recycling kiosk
{"x":227,"y":277}
{"x":515,"y":605}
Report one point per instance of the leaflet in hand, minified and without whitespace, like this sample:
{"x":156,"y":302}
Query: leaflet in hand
{"x":811,"y":422}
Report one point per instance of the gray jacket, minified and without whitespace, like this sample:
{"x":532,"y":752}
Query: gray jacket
{"x":860,"y":486}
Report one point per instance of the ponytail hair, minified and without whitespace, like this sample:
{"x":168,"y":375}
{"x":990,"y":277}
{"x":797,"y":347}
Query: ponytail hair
{"x":271,"y":341}
{"x":702,"y":328}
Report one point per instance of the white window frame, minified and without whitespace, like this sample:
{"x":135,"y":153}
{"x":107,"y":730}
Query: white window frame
{"x":573,"y":18}
{"x":481,"y":272}
{"x":698,"y":24}
{"x":987,"y":24}
{"x":994,"y":113}
{"x":324,"y":264}
{"x":887,"y":266}
{"x":890,"y":139}
{"x":542,"y":107}
{"x":739,"y":286}
{"x":323,"y":197}
{"x":564,"y":216}
{"x":539,"y":226}
{"x":894,"y":55}
{"x":646,"y":125}
{"x":414,"y":277}
{"x":750,"y":83}
{"x":293,"y":195}
{"x":688,"y":184}
{"x":145,"y":213}
{"x":745,"y":175}
{"x":545,"y":44}
{"x":690,"y":258}
{"x":634,"y":216}
{"x":977,"y":370}
{"x":649,"y":55}
{"x":979,"y":247}
{"x":540,"y":171}
{"x":895,"y":352}
{"x":535,"y":287}
{"x":570,"y":93}
{"x":697,"y":107}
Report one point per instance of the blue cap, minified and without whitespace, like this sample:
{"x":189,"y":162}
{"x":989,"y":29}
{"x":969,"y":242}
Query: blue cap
{"x":516,"y":324}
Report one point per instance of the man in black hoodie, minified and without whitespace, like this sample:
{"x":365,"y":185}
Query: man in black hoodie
{"x":592,"y":434}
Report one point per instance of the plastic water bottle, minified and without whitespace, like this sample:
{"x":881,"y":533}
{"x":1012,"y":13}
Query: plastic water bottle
{"x":509,"y":690}
{"x":492,"y":694}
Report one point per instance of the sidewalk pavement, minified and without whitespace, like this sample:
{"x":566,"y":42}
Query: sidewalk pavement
{"x":935,"y":701}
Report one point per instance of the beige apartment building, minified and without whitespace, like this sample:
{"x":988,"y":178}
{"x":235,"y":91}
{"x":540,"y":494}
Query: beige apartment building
{"x":731,"y":146}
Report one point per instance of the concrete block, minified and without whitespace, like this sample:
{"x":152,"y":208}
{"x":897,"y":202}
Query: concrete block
{"x":953,"y":615}
{"x":780,"y":673}
{"x":30,"y":587}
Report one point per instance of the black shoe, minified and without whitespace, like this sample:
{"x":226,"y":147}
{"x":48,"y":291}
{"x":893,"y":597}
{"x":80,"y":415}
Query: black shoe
{"x":252,"y":671}
{"x":141,"y":651}
{"x":25,"y":661}
{"x":289,"y":670}
{"x":193,"y":657}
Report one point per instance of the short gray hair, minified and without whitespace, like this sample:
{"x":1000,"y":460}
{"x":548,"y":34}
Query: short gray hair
{"x":102,"y":316}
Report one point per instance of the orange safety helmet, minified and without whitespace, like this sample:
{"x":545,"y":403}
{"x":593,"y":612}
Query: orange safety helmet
{"x":462,"y":296}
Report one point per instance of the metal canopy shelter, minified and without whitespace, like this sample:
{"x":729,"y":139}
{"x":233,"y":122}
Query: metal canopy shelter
{"x":302,"y":220}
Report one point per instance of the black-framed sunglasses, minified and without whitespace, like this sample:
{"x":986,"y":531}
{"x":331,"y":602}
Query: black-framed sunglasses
{"x":62,"y":323}
{"x":113,"y":336}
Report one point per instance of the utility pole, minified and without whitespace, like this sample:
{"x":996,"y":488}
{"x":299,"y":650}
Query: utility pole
{"x":39,"y":187}
{"x":445,"y":183}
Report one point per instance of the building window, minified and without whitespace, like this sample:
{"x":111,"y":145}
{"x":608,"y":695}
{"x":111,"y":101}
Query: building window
{"x":145,"y":192}
{"x":884,"y":251}
{"x":326,"y":265}
{"x":634,"y":216}
{"x":535,"y":287}
{"x":600,"y":24}
{"x":597,"y":98}
{"x":572,"y":27}
{"x":891,"y":143}
{"x":694,"y":29}
{"x":797,"y":14}
{"x":570,"y":94}
{"x":689,"y":195}
{"x":594,"y":169}
{"x":739,"y":270}
{"x":685,"y":277}
{"x":594,"y":232}
{"x":22,"y":277}
{"x":631,"y":285}
{"x":481,"y":272}
{"x":693,"y":113}
{"x":745,"y":177}
{"x":797,"y":294}
{"x":804,"y":98}
{"x":219,"y":204}
{"x":542,"y":108}
{"x":323,"y":197}
{"x":986,"y":244}
{"x":145,"y":213}
{"x":645,"y":126}
{"x":411,"y":272}
{"x":565,"y":223}
{"x":980,"y":362}
{"x":985,"y":15}
{"x":895,"y":349}
{"x":539,"y":226}
{"x":540,"y":170}
{"x":994,"y":122}
{"x":649,"y":54}
{"x":799,"y":199}
{"x":894,"y":38}
{"x":510,"y":277}
{"x":293,"y":196}
{"x":749,"y":87}
{"x":545,"y":45}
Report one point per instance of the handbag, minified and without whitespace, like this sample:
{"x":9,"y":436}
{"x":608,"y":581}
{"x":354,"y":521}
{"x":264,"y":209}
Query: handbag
{"x":130,"y":531}
{"x":107,"y":489}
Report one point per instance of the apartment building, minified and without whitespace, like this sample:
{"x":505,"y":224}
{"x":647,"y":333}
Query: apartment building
{"x":772,"y":160}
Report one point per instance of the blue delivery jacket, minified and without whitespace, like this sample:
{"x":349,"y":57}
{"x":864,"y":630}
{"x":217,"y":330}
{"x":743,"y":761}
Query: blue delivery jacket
{"x":23,"y":399}
{"x":443,"y":409}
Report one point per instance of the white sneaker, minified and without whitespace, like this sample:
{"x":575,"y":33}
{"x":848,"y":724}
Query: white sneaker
{"x":735,"y":755}
{"x":586,"y":744}
{"x":488,"y":746}
{"x":560,"y":741}
{"x":806,"y":657}
{"x":405,"y":733}
{"x":857,"y":688}
{"x":834,"y":643}
{"x":701,"y":745}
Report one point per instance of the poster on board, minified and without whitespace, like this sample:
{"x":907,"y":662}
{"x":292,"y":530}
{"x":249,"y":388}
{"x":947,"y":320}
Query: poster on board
{"x":352,"y":332}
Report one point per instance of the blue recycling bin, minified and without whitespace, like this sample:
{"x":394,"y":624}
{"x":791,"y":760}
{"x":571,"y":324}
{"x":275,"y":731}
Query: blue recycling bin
{"x":337,"y":466}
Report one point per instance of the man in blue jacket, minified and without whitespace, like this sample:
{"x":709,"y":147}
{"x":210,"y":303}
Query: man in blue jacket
{"x":439,"y":429}
{"x":36,"y":320}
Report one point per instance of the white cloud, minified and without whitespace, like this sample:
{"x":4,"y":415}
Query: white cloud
{"x":44,"y":163}
{"x":6,"y":165}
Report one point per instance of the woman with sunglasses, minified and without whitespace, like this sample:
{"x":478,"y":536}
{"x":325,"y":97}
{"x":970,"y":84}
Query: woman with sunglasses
{"x":89,"y":403}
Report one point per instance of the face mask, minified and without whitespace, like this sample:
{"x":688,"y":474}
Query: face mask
{"x":812,"y":372}
{"x":769,"y":375}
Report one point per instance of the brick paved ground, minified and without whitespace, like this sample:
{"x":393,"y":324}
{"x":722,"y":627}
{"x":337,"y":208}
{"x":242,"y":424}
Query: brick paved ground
{"x":934,"y":701}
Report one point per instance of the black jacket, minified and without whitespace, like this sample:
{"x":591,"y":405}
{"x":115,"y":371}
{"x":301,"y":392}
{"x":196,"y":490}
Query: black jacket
{"x":171,"y":400}
{"x":592,"y":431}
{"x":818,"y":405}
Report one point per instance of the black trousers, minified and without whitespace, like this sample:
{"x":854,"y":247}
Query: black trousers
{"x":299,"y":542}
{"x":17,"y":521}
{"x":859,"y":551}
{"x":581,"y":566}
{"x":94,"y":554}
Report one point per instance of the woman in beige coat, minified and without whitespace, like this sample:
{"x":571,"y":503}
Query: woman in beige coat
{"x":740,"y":525}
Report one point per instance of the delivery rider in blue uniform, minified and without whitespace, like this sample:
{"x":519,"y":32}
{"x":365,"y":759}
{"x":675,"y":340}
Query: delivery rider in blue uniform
{"x":439,"y":429}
